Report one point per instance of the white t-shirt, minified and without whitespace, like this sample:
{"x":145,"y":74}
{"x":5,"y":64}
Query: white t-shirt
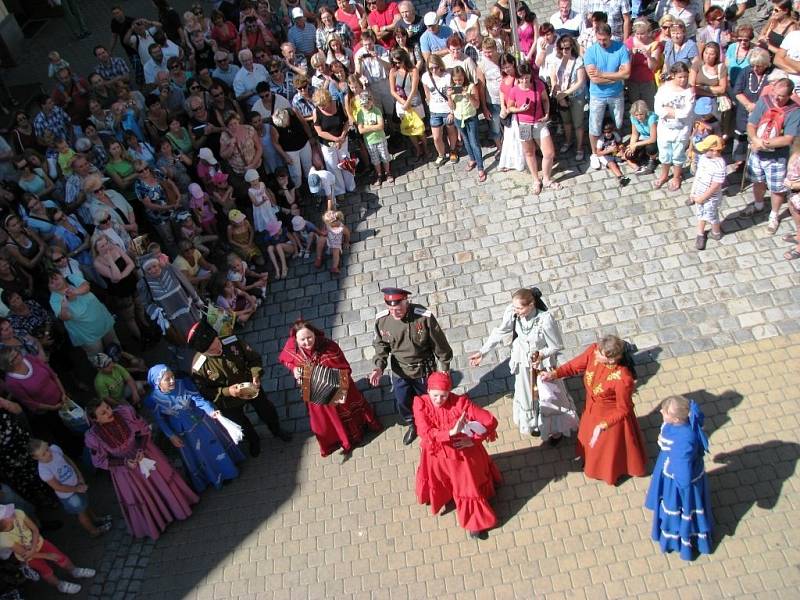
{"x":58,"y":469}
{"x":791,"y":43}
{"x":277,"y":103}
{"x":438,"y":103}
{"x":465,"y":63}
{"x":493,"y":76}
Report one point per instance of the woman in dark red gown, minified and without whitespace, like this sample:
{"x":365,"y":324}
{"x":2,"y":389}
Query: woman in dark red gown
{"x":335,"y":424}
{"x":454,"y":465}
{"x":609,"y":438}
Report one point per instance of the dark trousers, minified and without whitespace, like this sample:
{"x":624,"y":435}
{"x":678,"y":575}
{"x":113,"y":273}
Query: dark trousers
{"x":404,"y":391}
{"x":265,"y":411}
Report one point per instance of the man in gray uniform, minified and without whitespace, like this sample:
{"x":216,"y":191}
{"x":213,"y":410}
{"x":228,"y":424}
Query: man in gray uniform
{"x":411,"y":334}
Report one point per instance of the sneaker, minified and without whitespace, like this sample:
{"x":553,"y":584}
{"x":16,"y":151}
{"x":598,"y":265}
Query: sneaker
{"x":82,"y":572}
{"x":594,"y":162}
{"x":306,"y":255}
{"x":67,"y":587}
{"x":700,"y":242}
{"x":651,"y":167}
{"x":564,"y":147}
{"x":623,"y":181}
{"x":579,"y":155}
{"x":715,"y":236}
{"x":773,"y":224}
{"x":454,"y":157}
{"x":440,"y":161}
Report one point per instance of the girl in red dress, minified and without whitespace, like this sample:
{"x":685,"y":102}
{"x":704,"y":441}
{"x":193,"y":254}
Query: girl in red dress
{"x":335,"y":424}
{"x":454,"y":465}
{"x":609,"y":438}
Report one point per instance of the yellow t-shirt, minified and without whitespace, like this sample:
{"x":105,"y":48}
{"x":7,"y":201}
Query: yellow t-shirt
{"x":19,"y":534}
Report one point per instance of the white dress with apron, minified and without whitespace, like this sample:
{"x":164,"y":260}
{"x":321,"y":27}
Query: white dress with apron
{"x":555,"y":411}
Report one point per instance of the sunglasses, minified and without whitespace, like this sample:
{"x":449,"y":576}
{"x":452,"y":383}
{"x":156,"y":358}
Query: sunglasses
{"x":301,"y":87}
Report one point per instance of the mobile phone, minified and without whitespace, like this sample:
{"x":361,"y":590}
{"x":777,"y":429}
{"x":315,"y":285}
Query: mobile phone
{"x":457,"y":89}
{"x":199,"y":128}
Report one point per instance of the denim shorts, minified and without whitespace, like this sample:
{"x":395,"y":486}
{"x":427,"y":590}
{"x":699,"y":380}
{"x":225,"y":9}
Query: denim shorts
{"x":75,"y":504}
{"x":672,"y":152}
{"x":439,"y":119}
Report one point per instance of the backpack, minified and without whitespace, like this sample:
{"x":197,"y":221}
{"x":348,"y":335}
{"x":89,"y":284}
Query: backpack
{"x":770,"y":125}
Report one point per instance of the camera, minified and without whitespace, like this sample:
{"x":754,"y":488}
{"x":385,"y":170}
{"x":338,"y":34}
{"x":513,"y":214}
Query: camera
{"x":457,"y":89}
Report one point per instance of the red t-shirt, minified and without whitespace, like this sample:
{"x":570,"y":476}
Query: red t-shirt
{"x":535,"y":99}
{"x":383,"y":18}
{"x":352,"y":21}
{"x":640,"y":72}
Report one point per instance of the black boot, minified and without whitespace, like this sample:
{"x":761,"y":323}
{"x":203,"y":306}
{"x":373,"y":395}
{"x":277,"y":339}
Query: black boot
{"x":255,"y":446}
{"x":411,"y":434}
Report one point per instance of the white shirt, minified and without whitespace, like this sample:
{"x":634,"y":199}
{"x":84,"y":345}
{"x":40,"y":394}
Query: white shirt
{"x":144,"y":43}
{"x":493,"y":76}
{"x":152,"y":68}
{"x":791,"y":43}
{"x":574,"y":22}
{"x":246,"y":81}
{"x":279,"y":103}
{"x":372,"y":68}
{"x":327,"y":181}
{"x":438,"y":103}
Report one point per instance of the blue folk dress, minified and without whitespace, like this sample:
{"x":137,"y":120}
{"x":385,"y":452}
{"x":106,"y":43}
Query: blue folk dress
{"x":208,"y":452}
{"x":679,"y":496}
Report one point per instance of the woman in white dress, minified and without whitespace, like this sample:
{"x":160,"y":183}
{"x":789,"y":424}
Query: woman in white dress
{"x":535,"y":344}
{"x":511,"y":156}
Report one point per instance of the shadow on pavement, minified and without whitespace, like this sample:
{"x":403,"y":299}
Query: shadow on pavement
{"x":752,"y":475}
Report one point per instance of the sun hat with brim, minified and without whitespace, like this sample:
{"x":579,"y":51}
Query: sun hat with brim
{"x":430,"y":18}
{"x":219,"y":178}
{"x":196,"y":191}
{"x":236,"y":216}
{"x":314,"y":183}
{"x":207,"y":155}
{"x":250,"y":175}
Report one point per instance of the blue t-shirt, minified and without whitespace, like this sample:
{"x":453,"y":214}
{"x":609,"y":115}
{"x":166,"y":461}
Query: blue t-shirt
{"x":644,"y":128}
{"x":432,"y":42}
{"x":607,"y":60}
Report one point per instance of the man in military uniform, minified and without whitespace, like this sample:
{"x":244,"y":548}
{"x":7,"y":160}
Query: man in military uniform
{"x":217,"y":368}
{"x":411,"y":334}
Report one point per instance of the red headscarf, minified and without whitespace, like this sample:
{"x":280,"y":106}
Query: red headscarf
{"x":439,"y":381}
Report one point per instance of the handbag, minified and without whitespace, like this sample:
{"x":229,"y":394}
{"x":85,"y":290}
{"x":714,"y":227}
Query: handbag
{"x":411,"y":125}
{"x":73,"y":416}
{"x":724,"y":103}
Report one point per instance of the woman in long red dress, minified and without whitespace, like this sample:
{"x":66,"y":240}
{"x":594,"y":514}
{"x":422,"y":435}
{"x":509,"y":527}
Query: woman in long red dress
{"x":609,"y":438}
{"x":335,"y":424}
{"x":454,"y":465}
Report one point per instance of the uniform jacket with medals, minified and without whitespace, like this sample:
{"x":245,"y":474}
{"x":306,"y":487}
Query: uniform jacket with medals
{"x":238,"y":363}
{"x":416,"y":342}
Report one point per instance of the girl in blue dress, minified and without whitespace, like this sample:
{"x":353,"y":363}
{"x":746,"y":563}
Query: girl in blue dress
{"x":195,"y":428}
{"x":679,"y":496}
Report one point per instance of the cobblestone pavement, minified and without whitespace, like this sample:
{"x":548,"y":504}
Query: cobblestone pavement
{"x":721,"y":325}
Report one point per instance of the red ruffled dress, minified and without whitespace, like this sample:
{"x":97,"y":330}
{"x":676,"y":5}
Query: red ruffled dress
{"x":620,"y":450}
{"x":334,"y":425}
{"x":464,"y":475}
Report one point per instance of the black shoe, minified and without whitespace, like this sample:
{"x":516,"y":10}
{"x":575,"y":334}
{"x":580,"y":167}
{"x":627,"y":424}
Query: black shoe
{"x":555,"y":441}
{"x":411,"y":435}
{"x":284,"y":436}
{"x":651,"y":167}
{"x":479,"y":535}
{"x":623,"y":181}
{"x":255,"y":447}
{"x":535,"y":433}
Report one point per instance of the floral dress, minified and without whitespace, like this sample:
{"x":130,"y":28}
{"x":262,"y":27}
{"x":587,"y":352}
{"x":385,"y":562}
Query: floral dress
{"x":17,"y":468}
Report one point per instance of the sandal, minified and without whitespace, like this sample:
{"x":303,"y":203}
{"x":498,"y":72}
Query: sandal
{"x":674,"y":185}
{"x":659,"y":183}
{"x":481,"y":176}
{"x":552,"y":185}
{"x":537,"y":187}
{"x":471,"y":165}
{"x":792,"y":254}
{"x":789,"y":238}
{"x":750,"y":210}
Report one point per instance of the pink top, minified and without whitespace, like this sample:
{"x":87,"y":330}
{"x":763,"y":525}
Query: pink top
{"x":37,"y":388}
{"x":203,"y":206}
{"x":535,"y":99}
{"x":525,"y":32}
